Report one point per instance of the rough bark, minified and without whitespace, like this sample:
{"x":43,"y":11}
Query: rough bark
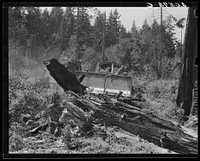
{"x":186,"y":85}
{"x":148,"y":126}
{"x":66,"y":79}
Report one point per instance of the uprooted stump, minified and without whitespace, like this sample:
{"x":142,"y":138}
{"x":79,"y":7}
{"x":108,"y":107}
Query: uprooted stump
{"x":66,"y":79}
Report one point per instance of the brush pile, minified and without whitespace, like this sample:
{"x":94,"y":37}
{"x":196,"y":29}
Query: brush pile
{"x":79,"y":115}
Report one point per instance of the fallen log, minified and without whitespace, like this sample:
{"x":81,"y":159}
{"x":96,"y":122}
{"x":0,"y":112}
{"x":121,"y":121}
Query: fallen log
{"x":133,"y":101}
{"x":148,"y":126}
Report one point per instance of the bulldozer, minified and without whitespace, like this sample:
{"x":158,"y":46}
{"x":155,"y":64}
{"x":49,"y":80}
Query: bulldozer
{"x":109,"y":78}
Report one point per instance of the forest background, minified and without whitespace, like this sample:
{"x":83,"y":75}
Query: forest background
{"x":149,"y":52}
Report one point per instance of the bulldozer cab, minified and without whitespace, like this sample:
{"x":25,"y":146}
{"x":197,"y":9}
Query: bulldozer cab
{"x":109,"y":78}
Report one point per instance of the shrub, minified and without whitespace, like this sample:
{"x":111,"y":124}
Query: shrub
{"x":26,"y":97}
{"x":192,"y":122}
{"x":16,"y":61}
{"x":67,"y":135}
{"x":15,"y":143}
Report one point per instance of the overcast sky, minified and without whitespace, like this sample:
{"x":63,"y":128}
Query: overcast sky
{"x":139,"y":14}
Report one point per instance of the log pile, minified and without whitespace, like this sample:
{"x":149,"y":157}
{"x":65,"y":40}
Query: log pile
{"x":138,"y":122}
{"x":114,"y":112}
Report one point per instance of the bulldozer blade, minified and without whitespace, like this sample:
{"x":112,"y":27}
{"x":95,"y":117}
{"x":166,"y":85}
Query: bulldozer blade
{"x":95,"y":81}
{"x":115,"y":84}
{"x":101,"y":83}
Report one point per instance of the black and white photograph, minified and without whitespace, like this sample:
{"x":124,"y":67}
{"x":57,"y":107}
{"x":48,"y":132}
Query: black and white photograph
{"x":102,"y":80}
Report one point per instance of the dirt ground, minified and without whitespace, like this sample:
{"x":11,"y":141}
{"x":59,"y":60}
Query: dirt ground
{"x":113,"y":141}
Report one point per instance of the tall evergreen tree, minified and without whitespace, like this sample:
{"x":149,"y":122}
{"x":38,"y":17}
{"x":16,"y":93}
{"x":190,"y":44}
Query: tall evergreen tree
{"x":16,"y":27}
{"x":33,"y":20}
{"x":168,"y":38}
{"x":134,"y":30}
{"x":113,"y":28}
{"x":146,"y":38}
{"x":67,"y":28}
{"x":97,"y":32}
{"x":153,"y":47}
{"x":46,"y":32}
{"x":136,"y":51}
{"x":34,"y":26}
{"x":82,"y":30}
{"x":56,"y":15}
{"x":123,"y":33}
{"x":85,"y":27}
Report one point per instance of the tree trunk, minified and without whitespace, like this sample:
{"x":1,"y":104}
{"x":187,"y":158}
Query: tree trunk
{"x":186,"y":85}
